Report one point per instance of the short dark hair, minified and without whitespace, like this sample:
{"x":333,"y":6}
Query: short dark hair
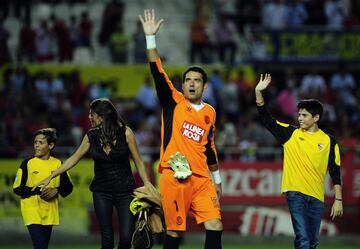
{"x":197,"y":69}
{"x":313,"y":106}
{"x":49,"y":133}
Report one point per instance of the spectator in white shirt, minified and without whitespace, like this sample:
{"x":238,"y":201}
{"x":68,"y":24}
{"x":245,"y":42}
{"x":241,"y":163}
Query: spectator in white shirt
{"x":147,"y":98}
{"x":334,"y":14}
{"x":313,"y":84}
{"x":296,"y":13}
{"x":343,"y":84}
{"x":274,"y":14}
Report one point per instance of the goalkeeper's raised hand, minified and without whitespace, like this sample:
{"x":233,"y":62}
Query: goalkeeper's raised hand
{"x":180,"y":166}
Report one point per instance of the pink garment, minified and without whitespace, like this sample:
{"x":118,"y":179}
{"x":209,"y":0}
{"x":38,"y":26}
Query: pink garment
{"x":287,"y":102}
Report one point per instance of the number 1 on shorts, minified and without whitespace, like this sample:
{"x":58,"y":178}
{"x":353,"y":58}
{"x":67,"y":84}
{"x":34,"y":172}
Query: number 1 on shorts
{"x":176,"y":205}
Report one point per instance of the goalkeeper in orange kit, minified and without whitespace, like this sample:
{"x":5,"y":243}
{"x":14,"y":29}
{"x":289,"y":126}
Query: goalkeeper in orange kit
{"x":187,"y":150}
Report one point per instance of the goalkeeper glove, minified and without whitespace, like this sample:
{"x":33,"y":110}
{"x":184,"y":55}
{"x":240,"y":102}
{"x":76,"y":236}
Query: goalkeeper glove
{"x":180,"y":166}
{"x":136,"y":206}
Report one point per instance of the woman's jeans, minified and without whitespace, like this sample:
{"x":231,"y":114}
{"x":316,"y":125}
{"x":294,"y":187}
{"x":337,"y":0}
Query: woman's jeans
{"x":103,"y":204}
{"x":40,"y":235}
{"x":306,"y":212}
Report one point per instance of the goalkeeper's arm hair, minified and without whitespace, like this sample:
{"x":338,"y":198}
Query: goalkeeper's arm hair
{"x":213,"y":167}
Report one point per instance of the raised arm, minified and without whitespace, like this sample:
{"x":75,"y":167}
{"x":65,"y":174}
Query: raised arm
{"x":69,"y":163}
{"x":281,"y":131}
{"x":261,"y":86}
{"x":165,"y":89}
{"x":150,"y":27}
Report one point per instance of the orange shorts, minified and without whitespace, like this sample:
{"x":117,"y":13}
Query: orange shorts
{"x":197,"y":193}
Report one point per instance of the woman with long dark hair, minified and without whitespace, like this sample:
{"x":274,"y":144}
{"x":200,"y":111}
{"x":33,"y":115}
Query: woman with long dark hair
{"x":110,"y":142}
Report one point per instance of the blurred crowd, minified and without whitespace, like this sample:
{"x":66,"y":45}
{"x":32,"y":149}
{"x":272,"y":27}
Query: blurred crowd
{"x":215,"y":28}
{"x":55,"y":38}
{"x":219,"y":39}
{"x":32,"y":101}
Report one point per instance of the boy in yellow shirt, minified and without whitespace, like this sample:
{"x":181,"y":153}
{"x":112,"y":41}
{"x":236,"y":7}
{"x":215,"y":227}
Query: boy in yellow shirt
{"x":309,"y":153}
{"x":40,"y":209}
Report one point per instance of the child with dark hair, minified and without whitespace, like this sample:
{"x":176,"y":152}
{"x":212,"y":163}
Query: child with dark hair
{"x":313,"y":106}
{"x":309,"y":153}
{"x":40,"y":209}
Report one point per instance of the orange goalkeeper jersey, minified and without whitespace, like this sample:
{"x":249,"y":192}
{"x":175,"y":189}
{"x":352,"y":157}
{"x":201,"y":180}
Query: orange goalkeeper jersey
{"x":184,"y":129}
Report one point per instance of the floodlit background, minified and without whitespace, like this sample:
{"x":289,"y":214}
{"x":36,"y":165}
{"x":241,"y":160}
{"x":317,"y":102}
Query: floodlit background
{"x":57,"y":55}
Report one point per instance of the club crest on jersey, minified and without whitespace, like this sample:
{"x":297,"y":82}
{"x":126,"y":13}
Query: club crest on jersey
{"x":179,"y":220}
{"x":320,"y":146}
{"x":207,"y":119}
{"x":192,"y":131}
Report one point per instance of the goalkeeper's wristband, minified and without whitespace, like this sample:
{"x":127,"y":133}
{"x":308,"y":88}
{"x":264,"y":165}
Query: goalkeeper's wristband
{"x":150,"y":41}
{"x":216,"y":176}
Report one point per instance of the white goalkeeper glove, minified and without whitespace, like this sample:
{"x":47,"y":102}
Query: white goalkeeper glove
{"x":180,"y":166}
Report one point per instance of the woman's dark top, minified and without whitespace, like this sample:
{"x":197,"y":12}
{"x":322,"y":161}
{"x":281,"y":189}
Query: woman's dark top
{"x":112,"y":172}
